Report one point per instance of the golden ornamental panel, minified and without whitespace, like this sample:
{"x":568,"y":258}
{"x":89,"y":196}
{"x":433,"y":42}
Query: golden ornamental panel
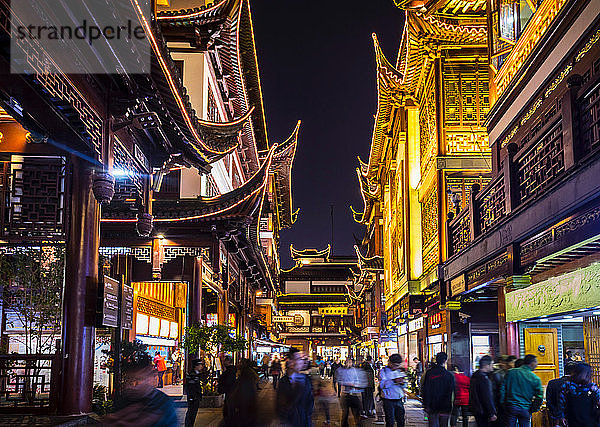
{"x":156,"y":309}
{"x":429,"y":218}
{"x":467,"y":142}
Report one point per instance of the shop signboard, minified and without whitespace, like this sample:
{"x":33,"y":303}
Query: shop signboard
{"x":282,"y":319}
{"x":402,"y":329}
{"x":436,"y":323}
{"x":415,"y":324}
{"x":127,"y":307}
{"x":457,"y":285}
{"x":333,"y":311}
{"x":110,"y":302}
{"x":369,"y":330}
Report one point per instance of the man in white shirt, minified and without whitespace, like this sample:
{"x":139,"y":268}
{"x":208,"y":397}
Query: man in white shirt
{"x":353,"y":381}
{"x":392,"y":383}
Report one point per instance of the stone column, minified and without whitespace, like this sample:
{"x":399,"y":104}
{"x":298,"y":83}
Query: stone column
{"x":81,"y":280}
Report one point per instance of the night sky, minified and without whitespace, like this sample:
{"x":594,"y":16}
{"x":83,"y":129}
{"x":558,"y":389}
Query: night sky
{"x":317,"y":64}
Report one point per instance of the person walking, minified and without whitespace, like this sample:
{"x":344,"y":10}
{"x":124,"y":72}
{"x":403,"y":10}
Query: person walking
{"x":461,"y":397}
{"x":505,"y":363}
{"x":481,"y":396}
{"x":275,"y":371}
{"x":367,"y":395}
{"x":580,"y":398}
{"x":334,"y":367}
{"x":353,"y":382}
{"x":226,"y":383}
{"x":243,"y":402}
{"x":438,"y":392}
{"x":294,"y":402}
{"x":176,"y":359}
{"x":193,"y":391}
{"x":521,"y":393}
{"x":161,"y":367}
{"x":553,"y":391}
{"x":392,"y":382}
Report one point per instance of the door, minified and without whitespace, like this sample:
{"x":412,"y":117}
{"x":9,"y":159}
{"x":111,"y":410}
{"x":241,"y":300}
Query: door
{"x":543,"y":343}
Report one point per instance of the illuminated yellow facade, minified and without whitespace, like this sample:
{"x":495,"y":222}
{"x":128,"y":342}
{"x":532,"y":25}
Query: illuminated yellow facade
{"x":429,"y":141}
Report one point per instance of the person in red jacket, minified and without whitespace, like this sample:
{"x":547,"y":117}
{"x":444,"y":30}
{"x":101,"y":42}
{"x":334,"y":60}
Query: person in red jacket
{"x":461,"y":397}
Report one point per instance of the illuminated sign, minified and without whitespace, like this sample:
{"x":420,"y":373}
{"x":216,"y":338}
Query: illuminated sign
{"x":415,"y":324}
{"x":402,"y":329}
{"x":282,"y":319}
{"x":333,"y":311}
{"x":435,"y":320}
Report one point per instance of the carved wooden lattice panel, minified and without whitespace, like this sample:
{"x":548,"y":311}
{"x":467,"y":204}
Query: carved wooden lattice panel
{"x":466,"y":94}
{"x":462,"y":187}
{"x":590,"y":120}
{"x":591,"y":329}
{"x":428,"y":130}
{"x":33,"y":190}
{"x":429,"y":218}
{"x":460,"y":233}
{"x":541,"y":164}
{"x":492,"y":206}
{"x":128,"y":180}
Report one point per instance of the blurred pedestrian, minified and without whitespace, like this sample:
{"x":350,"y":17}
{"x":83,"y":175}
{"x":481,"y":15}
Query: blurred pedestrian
{"x":353,"y":382}
{"x":226,"y":383}
{"x":461,"y":397}
{"x":334,"y":367}
{"x":242,"y":404}
{"x":553,"y":391}
{"x":392,"y":382}
{"x":275,"y":371}
{"x":519,"y":363}
{"x":481,"y":397}
{"x":295,"y":401}
{"x":161,"y":367}
{"x":323,"y":395}
{"x":193,"y":390}
{"x":176,"y":360}
{"x":140,"y":403}
{"x":580,"y":398}
{"x":320,"y":365}
{"x":521,"y":392}
{"x":438,"y":392}
{"x":367,"y":395}
{"x":505,"y":363}
{"x":265,"y":366}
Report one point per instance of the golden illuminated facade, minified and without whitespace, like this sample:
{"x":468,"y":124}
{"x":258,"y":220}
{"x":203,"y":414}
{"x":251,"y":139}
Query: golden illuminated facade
{"x":429,"y":144}
{"x":429,"y":141}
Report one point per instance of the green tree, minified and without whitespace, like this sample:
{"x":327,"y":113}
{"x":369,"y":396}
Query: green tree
{"x":31,"y":283}
{"x":212,"y":340}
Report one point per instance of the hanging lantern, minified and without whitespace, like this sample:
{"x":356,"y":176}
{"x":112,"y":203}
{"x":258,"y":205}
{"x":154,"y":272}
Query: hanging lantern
{"x":144,"y":224}
{"x":103,"y":187}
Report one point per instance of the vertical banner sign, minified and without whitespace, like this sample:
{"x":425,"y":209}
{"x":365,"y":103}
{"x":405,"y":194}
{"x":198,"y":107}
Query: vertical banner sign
{"x":127,"y":307}
{"x":110,"y":303}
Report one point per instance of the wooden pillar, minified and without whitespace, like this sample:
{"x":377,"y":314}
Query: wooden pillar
{"x":568,"y":112}
{"x":222,"y":309}
{"x":511,"y":180}
{"x":81,"y":279}
{"x":195,"y":293}
{"x":474,"y":212}
{"x":502,"y":332}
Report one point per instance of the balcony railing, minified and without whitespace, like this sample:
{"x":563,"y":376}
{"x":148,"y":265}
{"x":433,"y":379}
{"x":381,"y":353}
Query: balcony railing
{"x":29,"y":383}
{"x":555,"y":138}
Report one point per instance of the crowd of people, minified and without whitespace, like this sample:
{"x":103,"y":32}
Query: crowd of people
{"x":505,"y":395}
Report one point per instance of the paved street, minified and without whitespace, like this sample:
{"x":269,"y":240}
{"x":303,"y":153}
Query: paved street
{"x":213,"y":416}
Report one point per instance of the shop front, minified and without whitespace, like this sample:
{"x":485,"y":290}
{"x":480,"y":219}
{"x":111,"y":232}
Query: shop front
{"x":159,"y":318}
{"x":558,"y":320}
{"x":437,"y":337}
{"x":416,"y":339}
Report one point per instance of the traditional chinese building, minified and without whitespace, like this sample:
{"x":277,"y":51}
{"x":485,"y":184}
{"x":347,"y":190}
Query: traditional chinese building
{"x":316,"y":314}
{"x":429,"y":146}
{"x":193,"y":193}
{"x":531,"y":234}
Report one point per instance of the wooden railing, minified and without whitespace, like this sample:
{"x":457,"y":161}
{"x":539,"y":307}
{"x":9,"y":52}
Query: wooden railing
{"x":560,"y":134}
{"x":29,"y":383}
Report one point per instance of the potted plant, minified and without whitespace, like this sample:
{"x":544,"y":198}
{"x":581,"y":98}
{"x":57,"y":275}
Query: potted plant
{"x":211,"y":341}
